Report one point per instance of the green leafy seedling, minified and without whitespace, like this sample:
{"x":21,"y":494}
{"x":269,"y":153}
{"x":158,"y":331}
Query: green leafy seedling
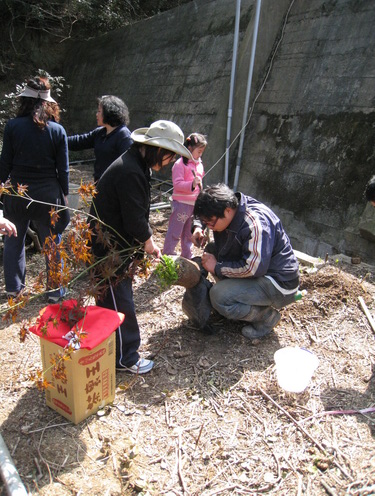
{"x":166,"y":271}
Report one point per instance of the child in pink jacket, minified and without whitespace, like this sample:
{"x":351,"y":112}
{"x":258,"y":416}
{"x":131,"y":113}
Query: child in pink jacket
{"x":187,"y":183}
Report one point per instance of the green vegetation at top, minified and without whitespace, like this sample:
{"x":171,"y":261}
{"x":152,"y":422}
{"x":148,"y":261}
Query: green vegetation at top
{"x":46,"y":22}
{"x":78,"y":18}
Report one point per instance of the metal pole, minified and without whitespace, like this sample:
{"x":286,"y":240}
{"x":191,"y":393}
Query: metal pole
{"x":9,"y":474}
{"x":247,"y":100}
{"x":231,"y":89}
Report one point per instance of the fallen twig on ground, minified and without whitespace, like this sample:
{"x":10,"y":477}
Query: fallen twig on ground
{"x":317,"y":443}
{"x":367,"y":312}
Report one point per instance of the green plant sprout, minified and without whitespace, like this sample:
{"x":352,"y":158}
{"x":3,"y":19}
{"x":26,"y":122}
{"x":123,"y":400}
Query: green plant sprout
{"x":166,"y":271}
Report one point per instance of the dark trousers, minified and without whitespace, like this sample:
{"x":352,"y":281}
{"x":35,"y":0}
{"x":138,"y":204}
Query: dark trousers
{"x":15,"y":259}
{"x":120,"y":298}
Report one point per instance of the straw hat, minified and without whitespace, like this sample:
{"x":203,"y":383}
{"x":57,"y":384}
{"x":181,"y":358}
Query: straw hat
{"x":164,"y":134}
{"x":42,"y":94}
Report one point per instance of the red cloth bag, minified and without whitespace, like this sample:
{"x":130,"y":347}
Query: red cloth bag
{"x":95,"y":323}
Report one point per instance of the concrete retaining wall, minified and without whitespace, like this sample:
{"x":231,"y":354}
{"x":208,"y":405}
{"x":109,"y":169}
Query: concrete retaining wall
{"x":173,"y":66}
{"x":309,"y":146}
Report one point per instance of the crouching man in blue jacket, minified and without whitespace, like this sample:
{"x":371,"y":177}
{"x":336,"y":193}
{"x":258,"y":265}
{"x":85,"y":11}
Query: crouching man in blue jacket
{"x":251,"y":258}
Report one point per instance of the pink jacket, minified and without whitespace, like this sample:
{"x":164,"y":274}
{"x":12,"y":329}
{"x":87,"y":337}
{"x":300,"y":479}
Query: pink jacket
{"x":183,"y":177}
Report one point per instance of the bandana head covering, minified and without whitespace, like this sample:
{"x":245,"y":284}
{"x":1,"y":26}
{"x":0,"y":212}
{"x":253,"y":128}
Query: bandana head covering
{"x":42,"y":94}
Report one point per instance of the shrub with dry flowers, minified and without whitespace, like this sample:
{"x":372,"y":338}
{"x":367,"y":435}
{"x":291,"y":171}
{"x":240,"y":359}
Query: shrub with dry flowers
{"x":73,"y":266}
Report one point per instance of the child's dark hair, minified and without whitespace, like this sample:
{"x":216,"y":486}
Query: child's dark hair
{"x":194,"y":140}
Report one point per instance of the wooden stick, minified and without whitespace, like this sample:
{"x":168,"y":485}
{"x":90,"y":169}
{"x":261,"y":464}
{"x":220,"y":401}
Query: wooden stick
{"x":179,"y":466}
{"x":367,"y":313}
{"x":199,"y":436}
{"x":305,"y":432}
{"x":167,"y":417}
{"x":293,"y":420}
{"x":329,"y":490}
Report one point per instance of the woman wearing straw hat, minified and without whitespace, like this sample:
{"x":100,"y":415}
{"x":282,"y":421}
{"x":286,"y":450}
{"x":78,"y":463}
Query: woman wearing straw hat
{"x":122,"y":204}
{"x":35,"y":153}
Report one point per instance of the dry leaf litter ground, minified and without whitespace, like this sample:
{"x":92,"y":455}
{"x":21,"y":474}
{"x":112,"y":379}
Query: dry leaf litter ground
{"x":210,"y":418}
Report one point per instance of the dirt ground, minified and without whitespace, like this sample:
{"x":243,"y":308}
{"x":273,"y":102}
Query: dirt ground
{"x":210,"y":418}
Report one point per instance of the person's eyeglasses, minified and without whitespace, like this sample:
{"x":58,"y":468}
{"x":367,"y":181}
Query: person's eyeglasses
{"x":210,"y":223}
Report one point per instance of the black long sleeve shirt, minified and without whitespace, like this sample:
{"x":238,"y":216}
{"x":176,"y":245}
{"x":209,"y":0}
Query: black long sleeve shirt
{"x":123,"y":203}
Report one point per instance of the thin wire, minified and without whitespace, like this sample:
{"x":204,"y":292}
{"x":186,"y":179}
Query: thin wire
{"x":260,"y":90}
{"x":256,"y":96}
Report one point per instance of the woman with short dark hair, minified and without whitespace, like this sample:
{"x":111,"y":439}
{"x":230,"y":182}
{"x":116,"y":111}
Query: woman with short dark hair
{"x":111,"y":139}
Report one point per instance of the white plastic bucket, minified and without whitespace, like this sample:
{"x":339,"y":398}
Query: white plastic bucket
{"x":294,"y":368}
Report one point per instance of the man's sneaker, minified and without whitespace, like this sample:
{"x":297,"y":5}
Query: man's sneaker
{"x":141,"y":367}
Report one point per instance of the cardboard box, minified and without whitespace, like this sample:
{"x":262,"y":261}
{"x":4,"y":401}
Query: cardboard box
{"x":90,"y":379}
